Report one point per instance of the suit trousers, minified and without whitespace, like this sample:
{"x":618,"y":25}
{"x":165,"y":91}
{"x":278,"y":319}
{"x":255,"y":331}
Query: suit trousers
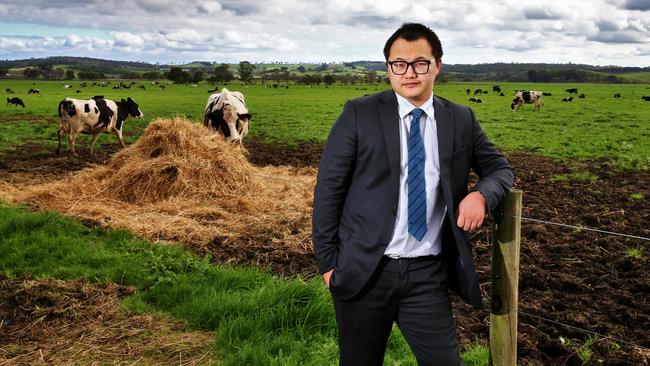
{"x":411,"y":292}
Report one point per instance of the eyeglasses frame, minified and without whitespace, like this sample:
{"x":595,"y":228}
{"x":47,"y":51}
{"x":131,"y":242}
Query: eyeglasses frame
{"x":411,"y":64}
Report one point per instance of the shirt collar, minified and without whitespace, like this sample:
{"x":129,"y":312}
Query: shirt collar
{"x":405,"y":107}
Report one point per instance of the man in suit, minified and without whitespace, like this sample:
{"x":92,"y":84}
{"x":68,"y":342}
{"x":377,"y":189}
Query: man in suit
{"x":392,"y":210}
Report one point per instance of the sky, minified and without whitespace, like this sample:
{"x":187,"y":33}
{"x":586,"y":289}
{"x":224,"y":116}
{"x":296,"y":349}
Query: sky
{"x":594,"y":32}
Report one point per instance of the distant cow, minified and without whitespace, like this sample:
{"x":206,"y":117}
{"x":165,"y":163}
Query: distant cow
{"x":475,"y":100}
{"x":34,"y":91}
{"x":646,"y":98}
{"x":478,"y":91}
{"x":467,"y":91}
{"x":527,"y":97}
{"x":572,"y":90}
{"x":582,"y":96}
{"x":226,"y":112}
{"x":93,"y":116}
{"x":567,"y":99}
{"x":15,"y":101}
{"x":546,"y":94}
{"x":617,"y":95}
{"x":8,"y":90}
{"x":496,"y":88}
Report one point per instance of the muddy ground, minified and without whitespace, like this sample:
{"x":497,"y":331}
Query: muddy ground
{"x":571,"y":280}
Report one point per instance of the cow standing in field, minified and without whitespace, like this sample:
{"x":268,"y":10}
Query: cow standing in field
{"x":15,"y":101}
{"x":93,"y":116}
{"x":226,"y":113}
{"x":572,"y":90}
{"x":34,"y":91}
{"x":527,"y":97}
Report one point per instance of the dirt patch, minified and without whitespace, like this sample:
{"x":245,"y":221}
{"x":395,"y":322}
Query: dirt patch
{"x":570,"y":279}
{"x":50,"y":322}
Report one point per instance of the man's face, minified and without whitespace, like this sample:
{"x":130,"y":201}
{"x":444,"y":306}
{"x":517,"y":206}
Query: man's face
{"x":416,"y":88}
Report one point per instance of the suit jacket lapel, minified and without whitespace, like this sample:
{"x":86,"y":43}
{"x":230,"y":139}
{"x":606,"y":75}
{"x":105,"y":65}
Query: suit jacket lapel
{"x":389,"y":119}
{"x":445,"y":129}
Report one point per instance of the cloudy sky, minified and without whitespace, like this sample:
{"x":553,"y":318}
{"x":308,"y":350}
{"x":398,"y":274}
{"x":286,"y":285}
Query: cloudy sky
{"x":596,"y":32}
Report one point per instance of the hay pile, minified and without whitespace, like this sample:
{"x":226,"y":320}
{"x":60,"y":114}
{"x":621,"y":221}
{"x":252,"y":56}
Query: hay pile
{"x":176,"y":183}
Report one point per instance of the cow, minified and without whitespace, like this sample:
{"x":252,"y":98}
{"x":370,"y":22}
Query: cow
{"x":646,"y":98}
{"x":546,"y":94}
{"x":501,"y":94}
{"x":226,"y":113}
{"x":9,"y":91}
{"x":582,"y":96}
{"x":34,"y":91}
{"x":527,"y":97}
{"x":16,"y":102}
{"x":567,"y":99}
{"x":93,"y":116}
{"x":478,"y":91}
{"x":496,"y":88}
{"x":572,"y":90}
{"x":475,"y":100}
{"x":467,"y":91}
{"x":617,"y":95}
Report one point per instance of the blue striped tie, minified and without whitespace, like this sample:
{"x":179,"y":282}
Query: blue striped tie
{"x":417,"y":209}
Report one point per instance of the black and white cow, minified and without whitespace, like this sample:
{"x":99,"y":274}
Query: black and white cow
{"x":572,"y":90}
{"x":226,"y":113}
{"x":93,"y":116}
{"x":527,"y":97}
{"x":15,"y":101}
{"x":646,"y":98}
{"x":34,"y":91}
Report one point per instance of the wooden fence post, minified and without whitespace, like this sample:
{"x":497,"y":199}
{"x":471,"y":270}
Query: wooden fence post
{"x":505,"y":282}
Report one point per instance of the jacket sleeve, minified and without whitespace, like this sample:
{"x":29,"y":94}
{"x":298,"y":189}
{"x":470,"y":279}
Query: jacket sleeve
{"x":337,"y":165}
{"x":496,"y":176}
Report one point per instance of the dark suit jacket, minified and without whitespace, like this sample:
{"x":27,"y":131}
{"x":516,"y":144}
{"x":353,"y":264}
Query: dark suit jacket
{"x":356,"y":194}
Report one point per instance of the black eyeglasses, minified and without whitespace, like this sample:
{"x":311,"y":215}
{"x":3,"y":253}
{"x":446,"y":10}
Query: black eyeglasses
{"x":418,"y":66}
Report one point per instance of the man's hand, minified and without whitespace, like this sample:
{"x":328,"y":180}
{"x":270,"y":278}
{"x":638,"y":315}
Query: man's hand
{"x":471,"y":211}
{"x":326,"y":277}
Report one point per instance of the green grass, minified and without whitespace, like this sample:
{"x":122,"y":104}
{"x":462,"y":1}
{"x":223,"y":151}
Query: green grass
{"x":635,"y":253}
{"x":637,"y":196}
{"x":636,"y":76}
{"x":259,"y":319}
{"x":598,"y":126}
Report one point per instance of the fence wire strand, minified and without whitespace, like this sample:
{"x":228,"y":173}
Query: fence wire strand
{"x":579,"y":329}
{"x":580,"y":228}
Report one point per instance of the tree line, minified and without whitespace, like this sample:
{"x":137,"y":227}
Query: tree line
{"x":345,"y":73}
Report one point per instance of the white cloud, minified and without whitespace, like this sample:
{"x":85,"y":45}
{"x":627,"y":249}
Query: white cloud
{"x":334,"y":30}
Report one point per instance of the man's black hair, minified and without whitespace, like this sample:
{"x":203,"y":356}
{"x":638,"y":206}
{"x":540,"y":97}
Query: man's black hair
{"x":412,"y":32}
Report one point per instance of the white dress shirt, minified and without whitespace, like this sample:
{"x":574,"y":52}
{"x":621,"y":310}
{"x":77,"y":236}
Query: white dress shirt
{"x":403,"y":244}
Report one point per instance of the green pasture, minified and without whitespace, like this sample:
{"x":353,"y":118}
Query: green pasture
{"x":257,"y":318}
{"x":598,"y":126}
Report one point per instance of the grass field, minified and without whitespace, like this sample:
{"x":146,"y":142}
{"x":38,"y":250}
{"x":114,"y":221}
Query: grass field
{"x":259,"y":319}
{"x":598,"y":126}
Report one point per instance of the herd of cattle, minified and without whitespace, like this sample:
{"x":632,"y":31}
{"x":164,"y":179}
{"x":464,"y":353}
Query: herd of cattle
{"x":225,"y":113}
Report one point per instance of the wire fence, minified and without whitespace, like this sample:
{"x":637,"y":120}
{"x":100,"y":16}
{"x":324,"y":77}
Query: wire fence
{"x":555,"y":322}
{"x":575,"y":227}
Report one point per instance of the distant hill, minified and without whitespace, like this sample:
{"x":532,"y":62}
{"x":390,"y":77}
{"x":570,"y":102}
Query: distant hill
{"x":527,"y":72}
